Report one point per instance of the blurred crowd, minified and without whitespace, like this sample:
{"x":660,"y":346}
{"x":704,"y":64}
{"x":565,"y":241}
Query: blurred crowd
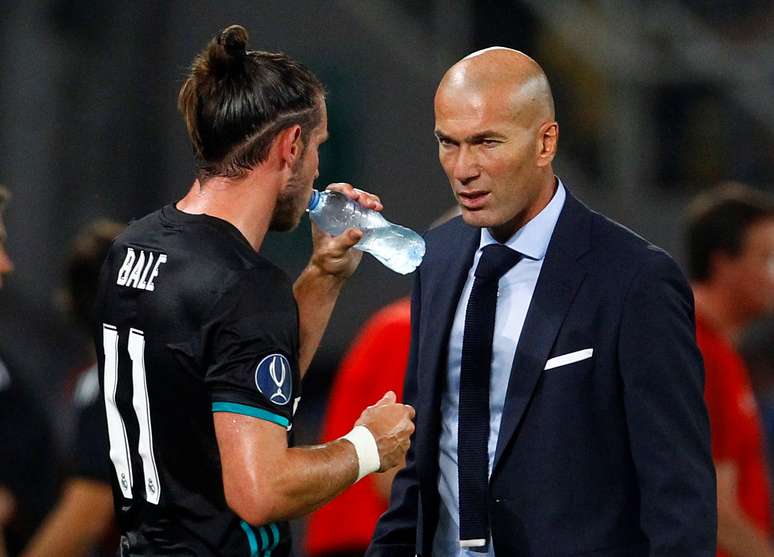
{"x":55,"y":494}
{"x":58,"y":502}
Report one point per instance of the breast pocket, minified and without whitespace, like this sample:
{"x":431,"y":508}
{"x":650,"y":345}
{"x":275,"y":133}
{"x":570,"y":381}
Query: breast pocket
{"x":568,"y":377}
{"x":569,"y":359}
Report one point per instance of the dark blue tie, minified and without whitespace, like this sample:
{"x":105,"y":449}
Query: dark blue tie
{"x":473,"y":426}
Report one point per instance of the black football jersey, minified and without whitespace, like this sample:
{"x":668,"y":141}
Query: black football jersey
{"x":190,"y":321}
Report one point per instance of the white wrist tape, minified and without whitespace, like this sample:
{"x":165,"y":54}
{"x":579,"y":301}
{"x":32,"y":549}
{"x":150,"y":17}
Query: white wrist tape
{"x":367,"y":452}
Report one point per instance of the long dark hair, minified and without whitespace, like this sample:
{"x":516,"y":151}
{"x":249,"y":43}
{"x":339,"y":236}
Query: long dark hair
{"x":235,"y":101}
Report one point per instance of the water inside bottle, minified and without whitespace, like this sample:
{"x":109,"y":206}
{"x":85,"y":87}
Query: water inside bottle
{"x":399,"y":248}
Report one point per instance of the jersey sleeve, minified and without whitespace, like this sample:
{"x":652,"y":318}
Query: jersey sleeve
{"x":253,"y":355}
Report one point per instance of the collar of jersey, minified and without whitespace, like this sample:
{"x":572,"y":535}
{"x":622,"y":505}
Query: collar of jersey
{"x":175,"y":215}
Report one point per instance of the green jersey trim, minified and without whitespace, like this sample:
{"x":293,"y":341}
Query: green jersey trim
{"x":275,"y":533}
{"x":236,"y":408}
{"x":264,"y":539}
{"x":252,"y":541}
{"x":250,"y":538}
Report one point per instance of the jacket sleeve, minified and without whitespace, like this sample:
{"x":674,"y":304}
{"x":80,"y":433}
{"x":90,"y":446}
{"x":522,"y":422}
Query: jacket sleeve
{"x":663,"y":382}
{"x":395,"y":534}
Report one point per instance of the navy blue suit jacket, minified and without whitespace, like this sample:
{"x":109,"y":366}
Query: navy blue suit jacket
{"x":605,"y":457}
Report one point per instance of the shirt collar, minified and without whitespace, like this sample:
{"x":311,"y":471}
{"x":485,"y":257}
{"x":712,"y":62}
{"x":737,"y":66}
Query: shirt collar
{"x":531,"y":240}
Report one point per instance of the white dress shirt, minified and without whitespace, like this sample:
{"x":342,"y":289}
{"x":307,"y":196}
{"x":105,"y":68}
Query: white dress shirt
{"x":514,"y":296}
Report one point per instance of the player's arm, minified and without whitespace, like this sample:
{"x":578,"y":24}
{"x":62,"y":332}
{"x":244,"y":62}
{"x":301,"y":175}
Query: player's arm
{"x":737,"y":535}
{"x":77,"y":523}
{"x":317,"y":288}
{"x":264,"y":480}
{"x":7,"y":506}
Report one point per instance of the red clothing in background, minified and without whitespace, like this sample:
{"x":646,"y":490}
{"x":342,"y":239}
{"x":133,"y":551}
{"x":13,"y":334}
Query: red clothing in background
{"x":735,"y":423}
{"x":375,"y":364}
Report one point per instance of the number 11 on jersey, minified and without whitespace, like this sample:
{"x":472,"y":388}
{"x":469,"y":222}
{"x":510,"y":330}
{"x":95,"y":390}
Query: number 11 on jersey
{"x":120,"y":451}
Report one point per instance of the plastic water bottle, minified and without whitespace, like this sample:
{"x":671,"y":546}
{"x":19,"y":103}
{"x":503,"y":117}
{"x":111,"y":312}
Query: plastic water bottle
{"x":399,"y":248}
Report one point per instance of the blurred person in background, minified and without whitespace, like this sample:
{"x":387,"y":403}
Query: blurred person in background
{"x":6,"y":266}
{"x":6,"y":512}
{"x":375,"y":363}
{"x":756,"y":346}
{"x":730,"y":249}
{"x":28,"y":460}
{"x":80,"y":524}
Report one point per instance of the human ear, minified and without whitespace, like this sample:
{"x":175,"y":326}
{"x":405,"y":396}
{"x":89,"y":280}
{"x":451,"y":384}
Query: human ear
{"x":289,"y":146}
{"x":548,"y":141}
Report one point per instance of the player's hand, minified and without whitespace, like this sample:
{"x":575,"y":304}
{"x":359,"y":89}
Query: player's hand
{"x":334,"y":254}
{"x":367,"y":200}
{"x":391,"y":425}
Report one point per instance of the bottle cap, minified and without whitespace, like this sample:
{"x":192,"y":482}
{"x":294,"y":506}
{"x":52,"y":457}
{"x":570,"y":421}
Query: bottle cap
{"x":313,"y":201}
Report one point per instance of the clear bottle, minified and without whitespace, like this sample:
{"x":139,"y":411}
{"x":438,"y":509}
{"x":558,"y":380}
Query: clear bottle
{"x":397,"y":247}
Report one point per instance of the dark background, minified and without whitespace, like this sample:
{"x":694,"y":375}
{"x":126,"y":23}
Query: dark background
{"x":656,"y":101}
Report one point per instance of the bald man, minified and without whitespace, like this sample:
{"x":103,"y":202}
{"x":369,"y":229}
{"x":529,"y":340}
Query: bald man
{"x":553,"y":368}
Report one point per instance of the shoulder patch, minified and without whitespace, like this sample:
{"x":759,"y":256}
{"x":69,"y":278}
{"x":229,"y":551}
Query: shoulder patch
{"x":274,"y":379}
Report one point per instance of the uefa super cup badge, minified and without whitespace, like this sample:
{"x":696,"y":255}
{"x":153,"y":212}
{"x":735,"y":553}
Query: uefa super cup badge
{"x":274,"y":379}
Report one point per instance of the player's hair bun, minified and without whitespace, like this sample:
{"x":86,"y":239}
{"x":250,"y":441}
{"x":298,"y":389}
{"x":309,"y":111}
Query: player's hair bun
{"x":235,"y":101}
{"x":228,"y":49}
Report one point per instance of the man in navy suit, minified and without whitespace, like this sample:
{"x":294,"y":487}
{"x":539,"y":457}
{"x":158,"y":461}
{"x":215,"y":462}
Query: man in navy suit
{"x":598,"y":440}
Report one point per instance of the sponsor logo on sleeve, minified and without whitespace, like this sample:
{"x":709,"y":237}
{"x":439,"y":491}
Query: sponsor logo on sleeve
{"x":274,"y":379}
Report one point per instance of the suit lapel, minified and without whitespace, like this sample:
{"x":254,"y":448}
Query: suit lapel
{"x":559,"y":279}
{"x":443,"y":280}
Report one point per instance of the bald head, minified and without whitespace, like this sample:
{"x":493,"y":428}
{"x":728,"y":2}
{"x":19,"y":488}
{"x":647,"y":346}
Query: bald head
{"x":497,"y":138}
{"x":505,"y":74}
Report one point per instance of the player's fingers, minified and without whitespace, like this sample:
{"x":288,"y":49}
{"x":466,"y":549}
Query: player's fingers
{"x":411,"y":411}
{"x":408,"y":426}
{"x":339,"y":245}
{"x":364,"y":198}
{"x":319,"y":235}
{"x":388,"y":398}
{"x":369,"y":200}
{"x":343,"y":187}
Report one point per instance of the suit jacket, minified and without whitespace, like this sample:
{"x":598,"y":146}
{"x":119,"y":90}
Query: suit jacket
{"x":608,"y":456}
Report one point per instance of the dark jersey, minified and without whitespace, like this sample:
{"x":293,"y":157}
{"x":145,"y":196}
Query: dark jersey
{"x":190,"y":321}
{"x":27,"y":457}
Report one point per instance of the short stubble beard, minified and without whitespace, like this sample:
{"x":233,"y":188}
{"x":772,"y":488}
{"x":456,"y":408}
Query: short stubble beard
{"x":288,"y":211}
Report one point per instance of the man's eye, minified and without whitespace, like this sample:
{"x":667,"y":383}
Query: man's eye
{"x":489,"y":142}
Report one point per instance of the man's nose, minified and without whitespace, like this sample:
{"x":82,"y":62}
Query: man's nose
{"x":466,"y":166}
